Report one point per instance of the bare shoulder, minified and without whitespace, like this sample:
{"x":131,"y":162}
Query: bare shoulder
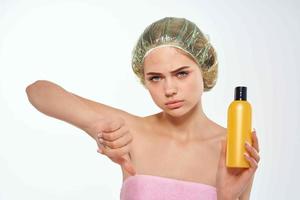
{"x":219,"y":131}
{"x":219,"y":134}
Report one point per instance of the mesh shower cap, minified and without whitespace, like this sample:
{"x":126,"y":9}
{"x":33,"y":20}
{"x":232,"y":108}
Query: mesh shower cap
{"x":183,"y":34}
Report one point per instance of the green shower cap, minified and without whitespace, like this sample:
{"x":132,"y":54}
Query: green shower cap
{"x":183,"y":34}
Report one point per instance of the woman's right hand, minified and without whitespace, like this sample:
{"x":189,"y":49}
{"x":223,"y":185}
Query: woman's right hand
{"x":114,"y":140}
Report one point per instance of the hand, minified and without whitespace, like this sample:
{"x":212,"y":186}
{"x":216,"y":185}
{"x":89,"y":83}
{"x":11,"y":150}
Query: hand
{"x":232,"y":182}
{"x":113,"y":140}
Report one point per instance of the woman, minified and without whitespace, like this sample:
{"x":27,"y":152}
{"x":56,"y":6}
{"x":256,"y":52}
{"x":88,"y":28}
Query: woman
{"x":178,"y":153}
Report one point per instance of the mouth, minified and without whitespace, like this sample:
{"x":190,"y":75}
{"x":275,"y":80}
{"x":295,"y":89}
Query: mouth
{"x":174,"y":104}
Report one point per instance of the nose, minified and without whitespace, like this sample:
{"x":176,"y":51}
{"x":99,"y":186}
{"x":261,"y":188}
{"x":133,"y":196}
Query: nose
{"x":170,"y":88}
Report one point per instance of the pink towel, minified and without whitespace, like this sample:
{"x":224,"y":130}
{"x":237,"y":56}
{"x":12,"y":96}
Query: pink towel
{"x":148,"y":187}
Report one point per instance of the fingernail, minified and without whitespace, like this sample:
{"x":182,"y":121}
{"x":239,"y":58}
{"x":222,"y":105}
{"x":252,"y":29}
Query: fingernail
{"x":100,"y":140}
{"x":247,"y":144}
{"x":100,"y":134}
{"x":247,"y":155}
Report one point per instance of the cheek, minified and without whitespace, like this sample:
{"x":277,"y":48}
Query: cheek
{"x":199,"y":81}
{"x":195,"y":84}
{"x":156,"y":95}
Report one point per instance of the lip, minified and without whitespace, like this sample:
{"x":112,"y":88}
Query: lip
{"x":174,"y":104}
{"x":174,"y":101}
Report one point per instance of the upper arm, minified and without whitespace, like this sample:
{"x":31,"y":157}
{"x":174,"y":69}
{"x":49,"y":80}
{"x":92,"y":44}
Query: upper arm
{"x":105,"y":110}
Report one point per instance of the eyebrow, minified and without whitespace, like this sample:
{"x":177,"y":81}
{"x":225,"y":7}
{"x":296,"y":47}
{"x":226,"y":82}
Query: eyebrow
{"x":174,"y":71}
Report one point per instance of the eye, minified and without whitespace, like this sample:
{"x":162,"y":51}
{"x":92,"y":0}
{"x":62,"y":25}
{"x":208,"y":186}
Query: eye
{"x":154,"y":78}
{"x":182,"y":74}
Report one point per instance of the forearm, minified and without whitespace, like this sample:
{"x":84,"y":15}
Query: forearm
{"x":56,"y":102}
{"x":246,"y":194}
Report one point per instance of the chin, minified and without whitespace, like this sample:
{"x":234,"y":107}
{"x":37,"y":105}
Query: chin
{"x":178,"y":112}
{"x":181,"y":111}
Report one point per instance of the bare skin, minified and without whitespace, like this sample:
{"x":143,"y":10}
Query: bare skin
{"x":154,"y":145}
{"x":185,"y":133}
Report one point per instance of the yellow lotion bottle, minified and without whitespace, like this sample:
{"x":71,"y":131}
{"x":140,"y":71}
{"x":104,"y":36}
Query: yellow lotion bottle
{"x":239,"y":128}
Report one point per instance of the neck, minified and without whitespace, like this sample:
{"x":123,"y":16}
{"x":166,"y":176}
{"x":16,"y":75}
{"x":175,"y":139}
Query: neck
{"x":185,"y":126}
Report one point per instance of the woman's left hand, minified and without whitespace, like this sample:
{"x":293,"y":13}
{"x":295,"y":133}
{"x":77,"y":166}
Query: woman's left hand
{"x":232,"y":182}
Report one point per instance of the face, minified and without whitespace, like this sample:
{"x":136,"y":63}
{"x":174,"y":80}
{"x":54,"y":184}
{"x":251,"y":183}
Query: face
{"x":170,"y":75}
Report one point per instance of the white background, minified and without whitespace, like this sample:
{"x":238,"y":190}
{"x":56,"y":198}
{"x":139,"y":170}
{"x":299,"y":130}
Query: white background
{"x":85,"y":46}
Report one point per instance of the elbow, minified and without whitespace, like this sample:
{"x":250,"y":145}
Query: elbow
{"x":34,"y":89}
{"x":30,"y":88}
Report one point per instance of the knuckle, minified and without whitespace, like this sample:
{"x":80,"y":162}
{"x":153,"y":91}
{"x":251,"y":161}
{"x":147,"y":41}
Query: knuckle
{"x":109,"y":136}
{"x":255,"y":164}
{"x":110,"y":153}
{"x":113,"y":144}
{"x":108,"y":145}
{"x":254,"y":150}
{"x":104,"y":152}
{"x":99,"y":144}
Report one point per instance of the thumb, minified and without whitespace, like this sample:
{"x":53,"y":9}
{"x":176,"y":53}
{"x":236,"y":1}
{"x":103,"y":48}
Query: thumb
{"x":127,"y":165}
